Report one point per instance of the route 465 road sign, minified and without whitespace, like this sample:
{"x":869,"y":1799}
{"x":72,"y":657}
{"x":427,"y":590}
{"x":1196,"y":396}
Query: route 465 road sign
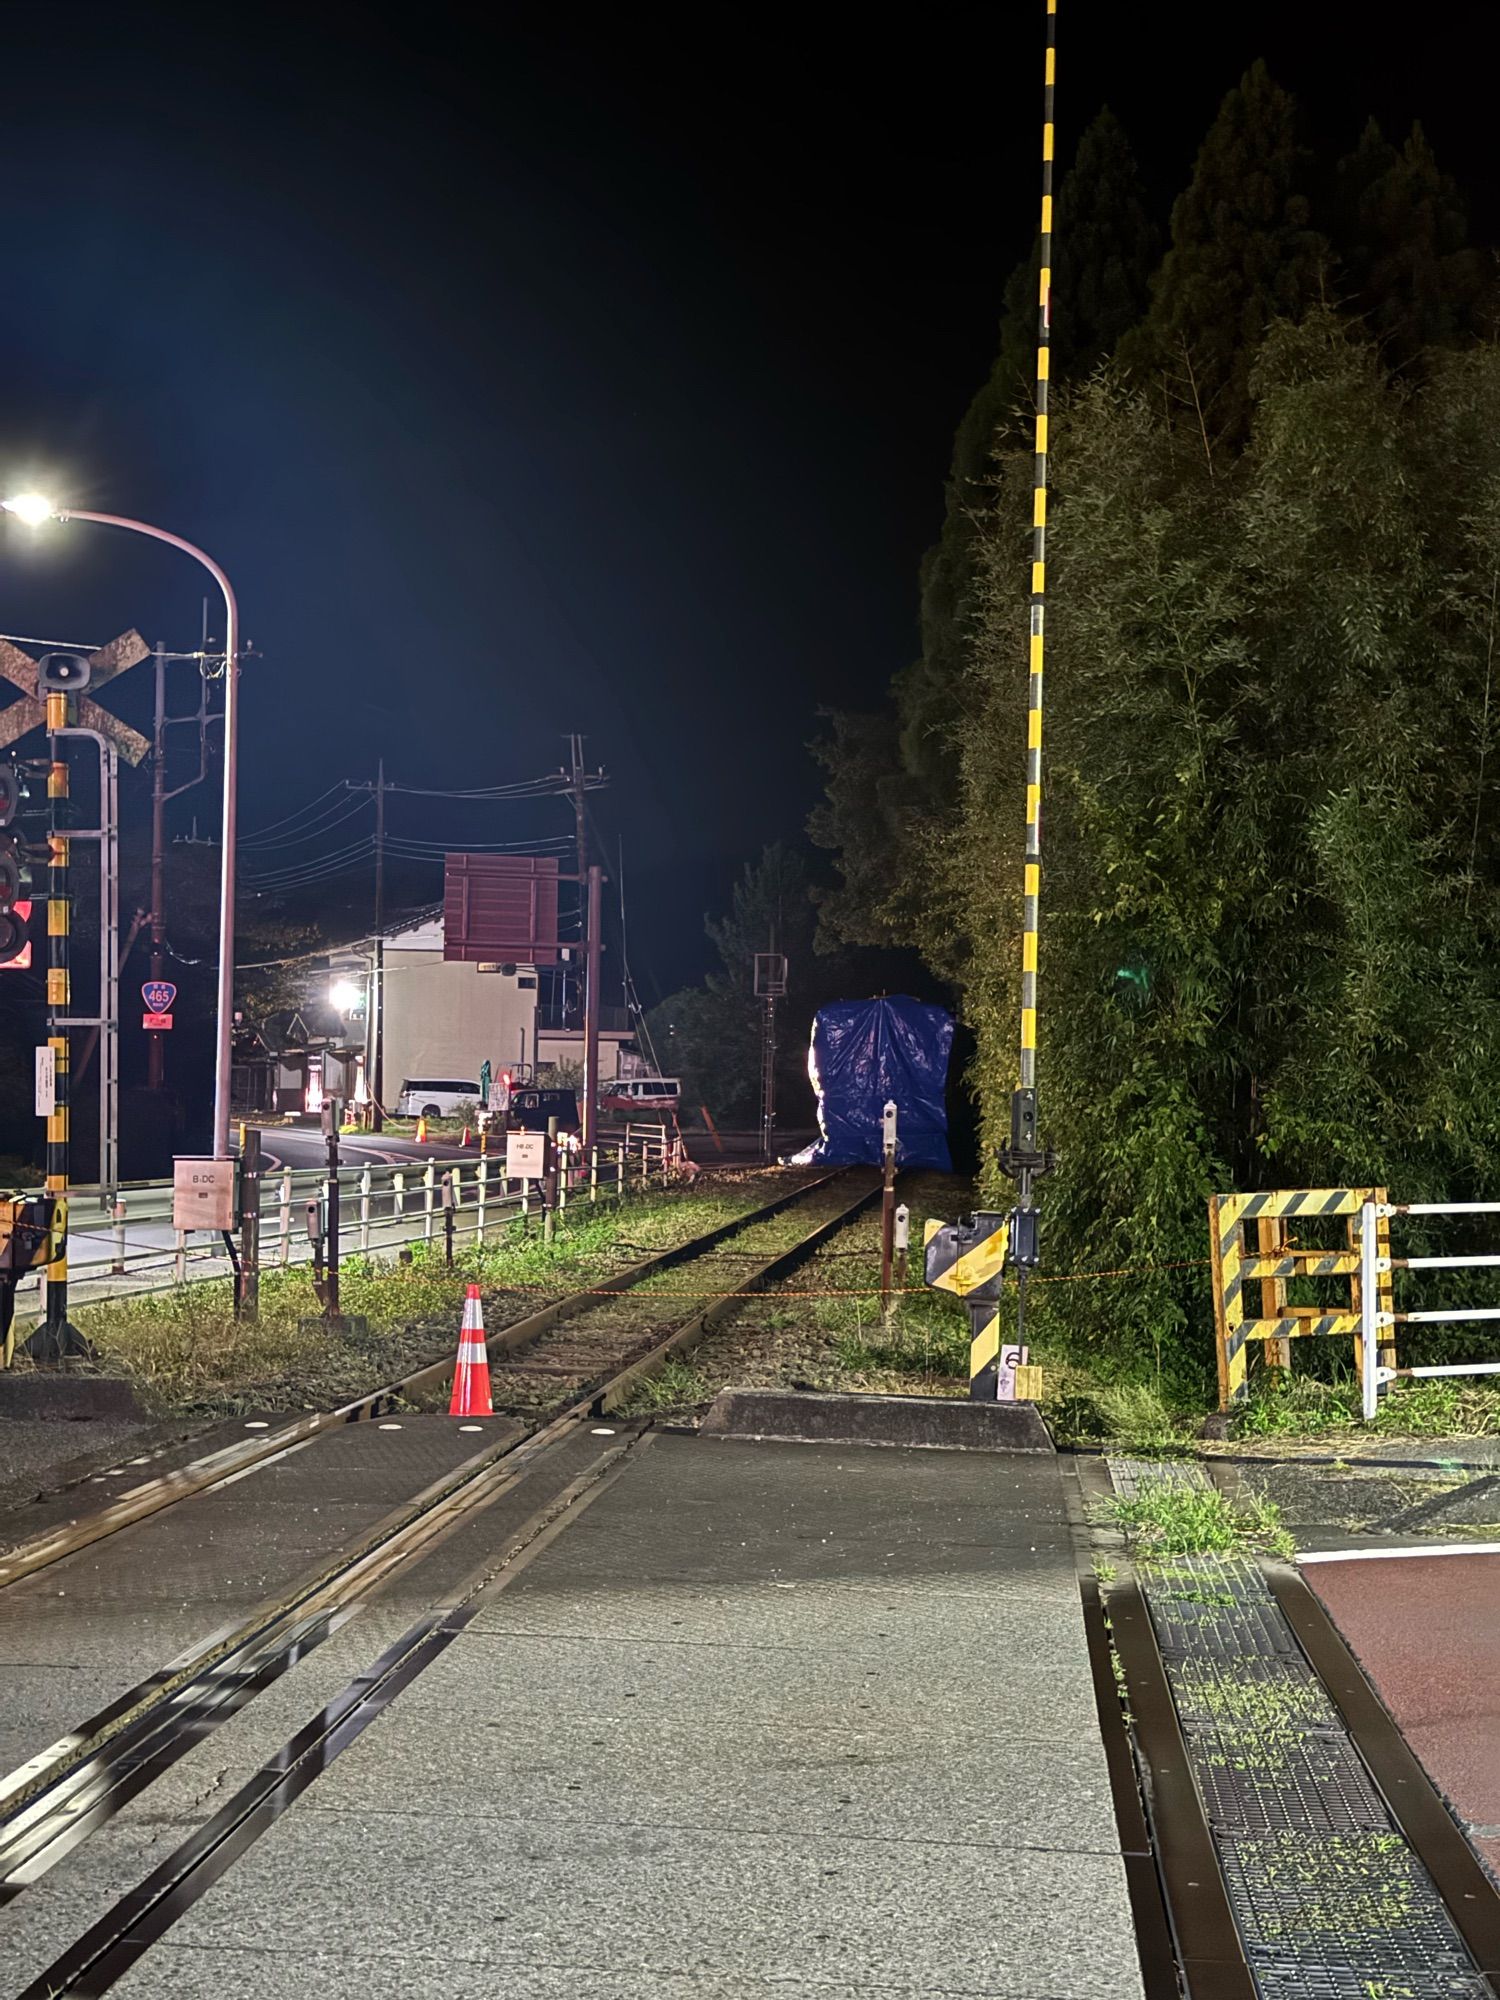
{"x":158,"y":995}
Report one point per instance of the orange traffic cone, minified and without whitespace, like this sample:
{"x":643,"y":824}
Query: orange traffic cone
{"x":465,"y":1139}
{"x":471,"y":1374}
{"x":421,"y":1131}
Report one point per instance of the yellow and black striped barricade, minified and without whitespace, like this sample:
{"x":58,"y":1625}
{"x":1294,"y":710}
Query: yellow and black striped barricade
{"x":969,"y":1258}
{"x":1280,"y":1217}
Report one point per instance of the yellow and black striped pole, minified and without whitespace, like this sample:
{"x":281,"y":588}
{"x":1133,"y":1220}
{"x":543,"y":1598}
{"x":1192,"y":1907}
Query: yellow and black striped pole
{"x":1024,"y":1157}
{"x":1032,"y":883}
{"x":969,"y":1258}
{"x":56,"y":1339}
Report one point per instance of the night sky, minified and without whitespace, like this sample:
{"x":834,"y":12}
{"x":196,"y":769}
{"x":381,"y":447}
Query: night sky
{"x":574,"y":376}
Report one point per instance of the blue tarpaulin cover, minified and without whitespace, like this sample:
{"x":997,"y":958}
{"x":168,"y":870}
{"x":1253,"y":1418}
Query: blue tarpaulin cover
{"x":866,"y":1051}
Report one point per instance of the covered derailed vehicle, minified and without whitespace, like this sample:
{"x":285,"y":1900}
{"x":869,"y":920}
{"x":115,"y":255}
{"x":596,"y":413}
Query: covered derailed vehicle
{"x":865,"y":1053}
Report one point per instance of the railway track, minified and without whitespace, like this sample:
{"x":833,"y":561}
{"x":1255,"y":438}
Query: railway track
{"x":555,"y":1373}
{"x":234,"y":1461}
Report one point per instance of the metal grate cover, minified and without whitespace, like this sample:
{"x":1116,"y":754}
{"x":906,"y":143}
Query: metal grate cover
{"x":1287,"y":1783}
{"x":1134,"y":1476}
{"x":1285,"y":1979}
{"x":1271,"y":1696}
{"x":1204,"y":1620}
{"x":1362,"y":1900}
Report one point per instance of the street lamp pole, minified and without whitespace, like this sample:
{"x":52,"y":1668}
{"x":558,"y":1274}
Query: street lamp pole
{"x":35,"y":510}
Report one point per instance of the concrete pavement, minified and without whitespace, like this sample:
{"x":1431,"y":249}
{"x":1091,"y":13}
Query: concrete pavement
{"x":766,"y":1718}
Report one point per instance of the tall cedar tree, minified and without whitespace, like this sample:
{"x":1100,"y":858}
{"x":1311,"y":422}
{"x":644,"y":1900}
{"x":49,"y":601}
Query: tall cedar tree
{"x":1404,"y":253}
{"x":1272,"y":888}
{"x":1272,"y":891}
{"x":1243,"y":252}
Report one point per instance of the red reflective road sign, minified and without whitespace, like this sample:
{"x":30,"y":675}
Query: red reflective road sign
{"x":156,"y":1020}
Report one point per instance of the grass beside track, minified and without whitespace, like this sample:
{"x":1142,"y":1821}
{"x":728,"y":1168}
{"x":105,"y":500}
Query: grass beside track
{"x":1182,"y":1521}
{"x":185,"y":1352}
{"x":824,"y":1328}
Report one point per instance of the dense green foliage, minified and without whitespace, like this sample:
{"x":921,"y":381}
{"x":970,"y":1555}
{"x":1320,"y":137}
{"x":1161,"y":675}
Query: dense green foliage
{"x":1272,"y":831}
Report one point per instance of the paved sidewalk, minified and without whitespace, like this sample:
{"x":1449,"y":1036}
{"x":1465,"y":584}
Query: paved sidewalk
{"x":766,"y":1718}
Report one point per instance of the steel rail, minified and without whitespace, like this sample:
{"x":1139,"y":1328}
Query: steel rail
{"x":58,"y":1798}
{"x":229,"y":1462}
{"x":106,"y":1951}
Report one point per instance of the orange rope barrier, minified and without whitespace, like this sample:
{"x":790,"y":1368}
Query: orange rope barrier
{"x":842,"y":1291}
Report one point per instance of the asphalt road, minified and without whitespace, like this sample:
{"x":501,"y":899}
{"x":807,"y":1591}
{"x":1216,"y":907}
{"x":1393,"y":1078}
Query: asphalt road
{"x":298,"y":1146}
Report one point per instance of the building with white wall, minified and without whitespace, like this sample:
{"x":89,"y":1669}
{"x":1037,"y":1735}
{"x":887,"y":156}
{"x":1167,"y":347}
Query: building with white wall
{"x":444,"y":1018}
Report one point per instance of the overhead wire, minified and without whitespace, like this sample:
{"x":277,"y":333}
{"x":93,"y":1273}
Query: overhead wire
{"x":300,"y":813}
{"x":349,"y":847}
{"x":332,"y":816}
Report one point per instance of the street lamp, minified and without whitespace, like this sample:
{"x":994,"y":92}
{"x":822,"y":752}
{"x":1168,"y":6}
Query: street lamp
{"x":35,"y":509}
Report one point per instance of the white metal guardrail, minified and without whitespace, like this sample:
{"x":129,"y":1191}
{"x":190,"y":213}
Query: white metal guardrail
{"x":1376,"y":1324}
{"x":383,"y":1208}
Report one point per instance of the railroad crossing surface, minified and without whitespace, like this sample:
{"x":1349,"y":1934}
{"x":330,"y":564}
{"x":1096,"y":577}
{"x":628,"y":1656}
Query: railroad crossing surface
{"x":833,"y":1695}
{"x":750,"y":1717}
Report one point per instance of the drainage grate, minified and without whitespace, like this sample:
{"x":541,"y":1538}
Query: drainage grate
{"x":1284,"y":1979}
{"x":1342,"y":1899}
{"x":1252,"y":1783}
{"x":1135,"y":1476}
{"x":1267,"y":1696}
{"x":1207,"y":1620}
{"x":1329,"y":1901}
{"x":1231,"y":1578}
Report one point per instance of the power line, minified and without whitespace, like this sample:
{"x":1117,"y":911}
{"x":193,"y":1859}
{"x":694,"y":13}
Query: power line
{"x":361,"y":846}
{"x":300,"y":813}
{"x":332,"y":815}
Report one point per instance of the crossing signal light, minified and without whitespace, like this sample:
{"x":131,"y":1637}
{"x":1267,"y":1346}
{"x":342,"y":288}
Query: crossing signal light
{"x":13,"y":879}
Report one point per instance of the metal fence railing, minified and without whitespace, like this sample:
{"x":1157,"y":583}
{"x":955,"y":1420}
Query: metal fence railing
{"x":382,"y":1209}
{"x":1378,"y":1321}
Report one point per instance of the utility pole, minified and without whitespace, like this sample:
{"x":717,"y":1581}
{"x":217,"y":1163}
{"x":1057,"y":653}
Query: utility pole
{"x":770,"y":986}
{"x":595,"y":959}
{"x":580,"y":825}
{"x":156,"y":1066}
{"x":161,"y":798}
{"x":375,"y":1017}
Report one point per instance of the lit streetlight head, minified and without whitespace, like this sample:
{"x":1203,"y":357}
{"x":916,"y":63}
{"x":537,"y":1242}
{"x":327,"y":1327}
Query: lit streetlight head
{"x":32,"y":508}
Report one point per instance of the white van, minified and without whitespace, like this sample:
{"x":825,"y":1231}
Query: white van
{"x":627,"y":1094}
{"x":435,"y":1097}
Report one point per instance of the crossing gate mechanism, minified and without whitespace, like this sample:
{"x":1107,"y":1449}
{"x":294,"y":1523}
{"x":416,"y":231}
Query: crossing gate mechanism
{"x":969,"y":1258}
{"x":1278,"y":1256}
